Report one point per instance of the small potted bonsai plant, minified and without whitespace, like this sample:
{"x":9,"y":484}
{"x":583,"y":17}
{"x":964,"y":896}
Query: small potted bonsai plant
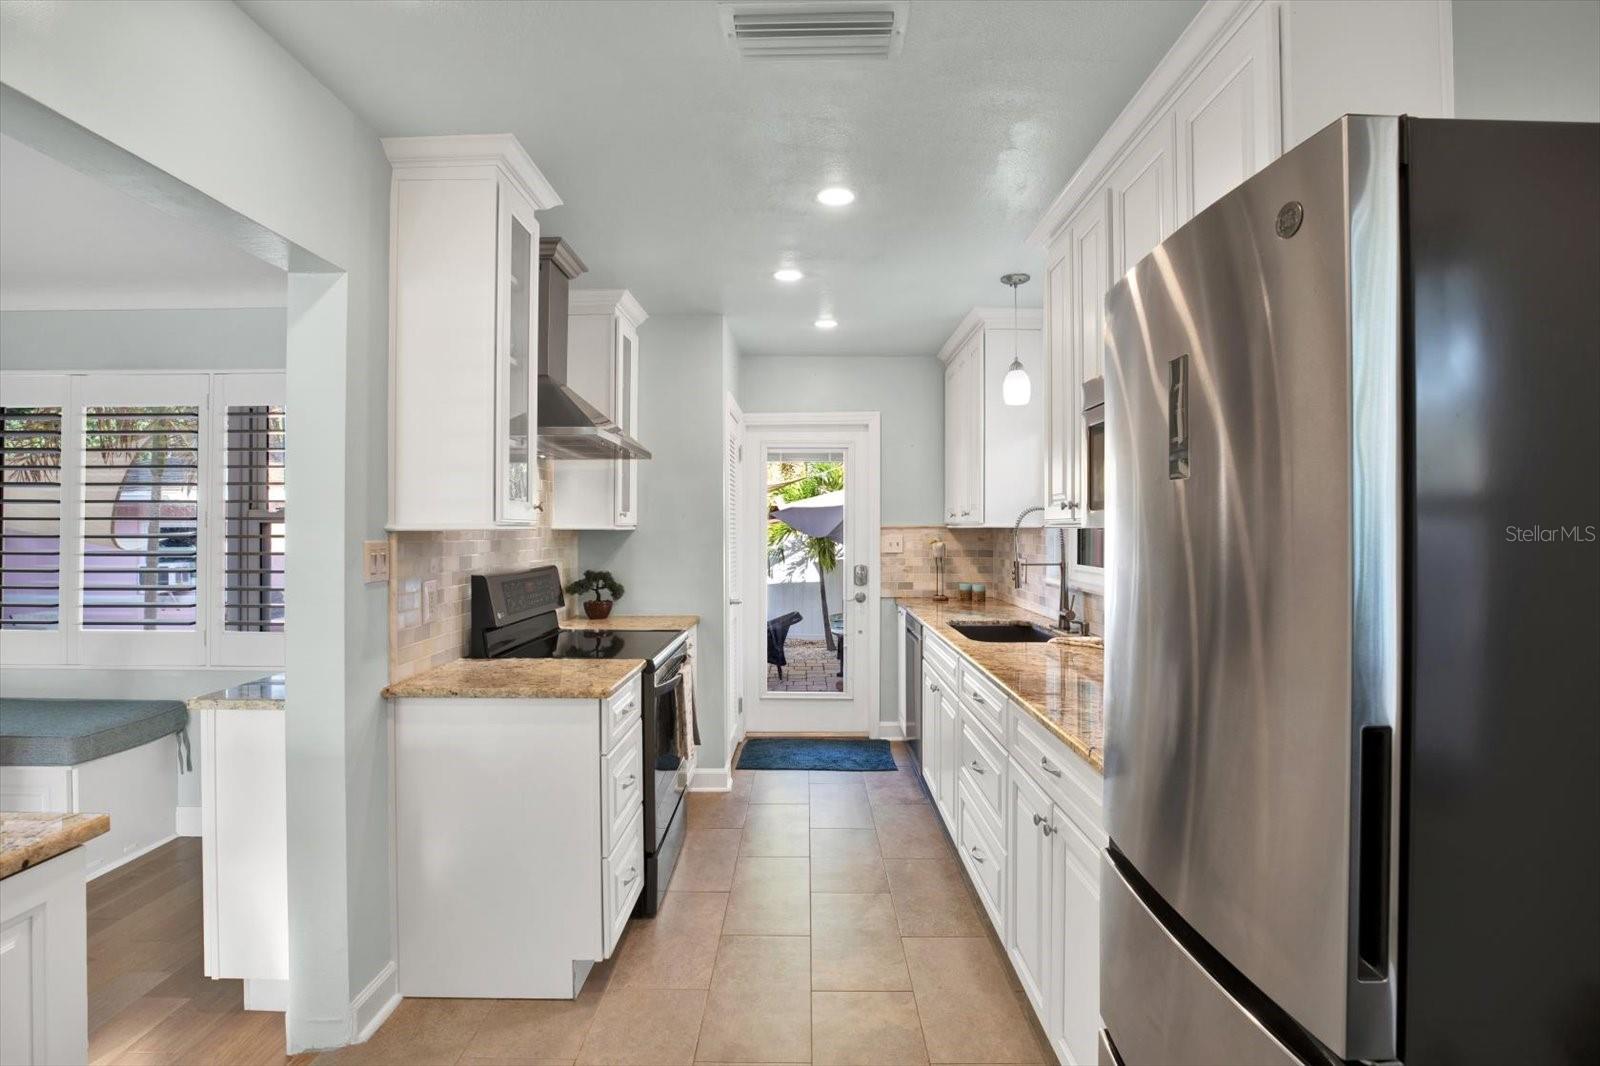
{"x":601,"y":584}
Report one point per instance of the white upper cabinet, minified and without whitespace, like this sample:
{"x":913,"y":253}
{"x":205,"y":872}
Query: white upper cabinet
{"x":463,"y":315}
{"x":1144,"y":201}
{"x":1245,"y":79}
{"x":603,"y":368}
{"x":993,"y":454}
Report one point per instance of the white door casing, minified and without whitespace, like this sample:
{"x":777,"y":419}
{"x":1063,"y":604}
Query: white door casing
{"x":855,"y":710}
{"x":734,"y":612}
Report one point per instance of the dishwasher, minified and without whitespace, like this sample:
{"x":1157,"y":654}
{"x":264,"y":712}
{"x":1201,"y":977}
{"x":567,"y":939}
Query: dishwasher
{"x":913,"y":666}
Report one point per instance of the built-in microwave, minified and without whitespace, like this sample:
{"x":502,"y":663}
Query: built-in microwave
{"x":1091,"y":546}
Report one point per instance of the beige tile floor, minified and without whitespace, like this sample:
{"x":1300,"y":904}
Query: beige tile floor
{"x":813,"y":918}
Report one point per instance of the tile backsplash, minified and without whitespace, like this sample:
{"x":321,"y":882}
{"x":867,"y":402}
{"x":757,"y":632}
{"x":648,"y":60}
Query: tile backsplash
{"x":977,"y":555}
{"x":451,"y":557}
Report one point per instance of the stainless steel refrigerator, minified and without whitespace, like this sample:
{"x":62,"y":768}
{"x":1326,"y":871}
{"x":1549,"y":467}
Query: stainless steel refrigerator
{"x":1353,"y":638}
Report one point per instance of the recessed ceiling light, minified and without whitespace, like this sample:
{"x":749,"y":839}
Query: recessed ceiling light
{"x":787,"y":274}
{"x":825,"y":323}
{"x":836,"y":196}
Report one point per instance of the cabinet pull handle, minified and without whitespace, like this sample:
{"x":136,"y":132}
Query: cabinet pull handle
{"x":976,"y":853}
{"x":932,"y":687}
{"x":975,"y":697}
{"x":631,"y":876}
{"x":1048,"y":766}
{"x":627,"y":782}
{"x":977,"y":767}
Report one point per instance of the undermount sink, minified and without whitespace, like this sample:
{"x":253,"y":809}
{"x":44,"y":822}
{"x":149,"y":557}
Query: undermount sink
{"x":1004,"y":632}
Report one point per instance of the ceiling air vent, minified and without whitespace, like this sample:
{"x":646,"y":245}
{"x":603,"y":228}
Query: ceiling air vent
{"x":823,"y":29}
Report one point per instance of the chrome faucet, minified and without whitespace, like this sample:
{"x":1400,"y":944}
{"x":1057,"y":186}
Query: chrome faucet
{"x":1064,"y":613}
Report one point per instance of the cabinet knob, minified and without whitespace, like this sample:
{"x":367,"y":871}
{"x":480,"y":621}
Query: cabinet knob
{"x":1038,"y":819}
{"x":977,"y":853}
{"x":631,"y":875}
{"x":1047,"y":829}
{"x":932,"y":687}
{"x":977,"y":767}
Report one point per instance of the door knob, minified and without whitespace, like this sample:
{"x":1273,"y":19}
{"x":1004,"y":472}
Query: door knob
{"x":861,"y":597}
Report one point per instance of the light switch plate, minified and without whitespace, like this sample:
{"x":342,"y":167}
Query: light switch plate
{"x":430,"y":600}
{"x":894,"y":543}
{"x":374,"y":561}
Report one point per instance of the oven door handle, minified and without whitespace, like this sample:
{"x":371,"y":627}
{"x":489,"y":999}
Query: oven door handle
{"x":677,"y":680}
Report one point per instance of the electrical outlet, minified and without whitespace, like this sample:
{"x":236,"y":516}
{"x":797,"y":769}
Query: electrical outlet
{"x":374,"y":561}
{"x":430,"y":600}
{"x":894,"y":543}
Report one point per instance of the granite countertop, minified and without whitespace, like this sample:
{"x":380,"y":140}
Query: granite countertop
{"x":29,"y":838}
{"x":1058,"y":681}
{"x":531,"y":679}
{"x":633,"y":621}
{"x":262,"y":694}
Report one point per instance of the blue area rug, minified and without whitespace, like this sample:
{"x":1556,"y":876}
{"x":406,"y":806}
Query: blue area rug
{"x":800,"y":753}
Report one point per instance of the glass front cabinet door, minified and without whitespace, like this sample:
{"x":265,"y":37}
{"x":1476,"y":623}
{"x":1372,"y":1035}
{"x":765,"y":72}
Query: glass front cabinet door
{"x":516,"y":377}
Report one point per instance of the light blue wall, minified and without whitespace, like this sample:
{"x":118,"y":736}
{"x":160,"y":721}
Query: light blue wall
{"x":908,"y":394}
{"x":235,"y":338}
{"x":672,"y":564}
{"x":1527,"y":59}
{"x":203,"y":94}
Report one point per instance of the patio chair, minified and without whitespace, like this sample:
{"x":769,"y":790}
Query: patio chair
{"x":777,"y":633}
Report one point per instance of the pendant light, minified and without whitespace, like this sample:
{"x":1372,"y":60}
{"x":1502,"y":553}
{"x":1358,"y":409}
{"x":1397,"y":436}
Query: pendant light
{"x":1016,"y":390}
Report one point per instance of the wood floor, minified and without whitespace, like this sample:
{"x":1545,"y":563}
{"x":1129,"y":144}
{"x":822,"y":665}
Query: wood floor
{"x":814,"y":917}
{"x":149,"y":999}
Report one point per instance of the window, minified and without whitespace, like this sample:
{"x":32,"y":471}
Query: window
{"x":143,"y":519}
{"x":30,"y":519}
{"x":253,"y":542}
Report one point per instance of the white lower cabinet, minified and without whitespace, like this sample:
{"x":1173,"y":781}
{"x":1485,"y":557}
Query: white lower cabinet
{"x":44,"y":951}
{"x":1024,"y":812}
{"x":1075,"y":939}
{"x":519,"y":900}
{"x":1028,"y":937}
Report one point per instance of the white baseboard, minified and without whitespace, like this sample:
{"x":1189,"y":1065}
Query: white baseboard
{"x":376,"y":1002}
{"x":123,"y":860}
{"x":718,"y":780}
{"x":891,"y":731}
{"x":188,"y":821}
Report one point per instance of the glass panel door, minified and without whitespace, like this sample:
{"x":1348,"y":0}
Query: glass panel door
{"x":806,"y":574}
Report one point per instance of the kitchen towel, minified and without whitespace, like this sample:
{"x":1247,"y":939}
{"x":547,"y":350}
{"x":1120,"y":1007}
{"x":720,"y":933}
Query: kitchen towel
{"x":686,"y":732}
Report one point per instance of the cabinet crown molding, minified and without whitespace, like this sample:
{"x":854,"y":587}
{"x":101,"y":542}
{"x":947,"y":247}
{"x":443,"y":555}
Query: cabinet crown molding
{"x":607,"y":302}
{"x":500,"y":150}
{"x":1205,"y":34}
{"x":989,"y":318}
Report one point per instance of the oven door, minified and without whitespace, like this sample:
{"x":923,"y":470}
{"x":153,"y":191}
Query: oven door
{"x":669,"y":773}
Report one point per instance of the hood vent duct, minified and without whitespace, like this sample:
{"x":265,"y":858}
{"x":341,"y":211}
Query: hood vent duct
{"x":821,"y":29}
{"x":570,"y":427}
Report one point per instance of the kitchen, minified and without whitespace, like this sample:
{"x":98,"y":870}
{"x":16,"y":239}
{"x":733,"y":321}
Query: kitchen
{"x":955,"y":904}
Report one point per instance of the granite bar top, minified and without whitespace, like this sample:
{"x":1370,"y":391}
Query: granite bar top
{"x":1058,"y":682}
{"x":29,"y":838}
{"x":633,"y":622}
{"x":262,"y":694}
{"x":528,"y":679}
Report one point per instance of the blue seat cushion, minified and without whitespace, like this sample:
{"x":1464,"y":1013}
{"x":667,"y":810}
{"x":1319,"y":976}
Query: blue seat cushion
{"x":37,"y":732}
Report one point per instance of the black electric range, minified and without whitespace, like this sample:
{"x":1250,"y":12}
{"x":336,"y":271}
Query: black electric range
{"x":515,"y":616}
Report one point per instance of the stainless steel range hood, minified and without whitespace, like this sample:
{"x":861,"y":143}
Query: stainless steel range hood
{"x":570,"y":427}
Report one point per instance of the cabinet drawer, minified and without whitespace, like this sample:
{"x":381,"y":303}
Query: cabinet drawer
{"x":984,"y":858}
{"x":618,"y":714}
{"x":983,"y":699}
{"x":983,"y":769}
{"x":1063,"y":774}
{"x":622,"y":779}
{"x":622,"y":879}
{"x":938,"y":654}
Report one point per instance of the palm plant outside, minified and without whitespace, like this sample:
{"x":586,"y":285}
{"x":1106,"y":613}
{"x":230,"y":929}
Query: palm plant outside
{"x":786,"y":483}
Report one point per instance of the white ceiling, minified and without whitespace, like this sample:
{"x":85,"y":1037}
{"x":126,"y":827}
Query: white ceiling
{"x":689,"y":176}
{"x":69,"y":241}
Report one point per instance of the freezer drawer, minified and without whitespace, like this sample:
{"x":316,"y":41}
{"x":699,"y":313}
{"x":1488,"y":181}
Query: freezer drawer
{"x":1160,"y":1005}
